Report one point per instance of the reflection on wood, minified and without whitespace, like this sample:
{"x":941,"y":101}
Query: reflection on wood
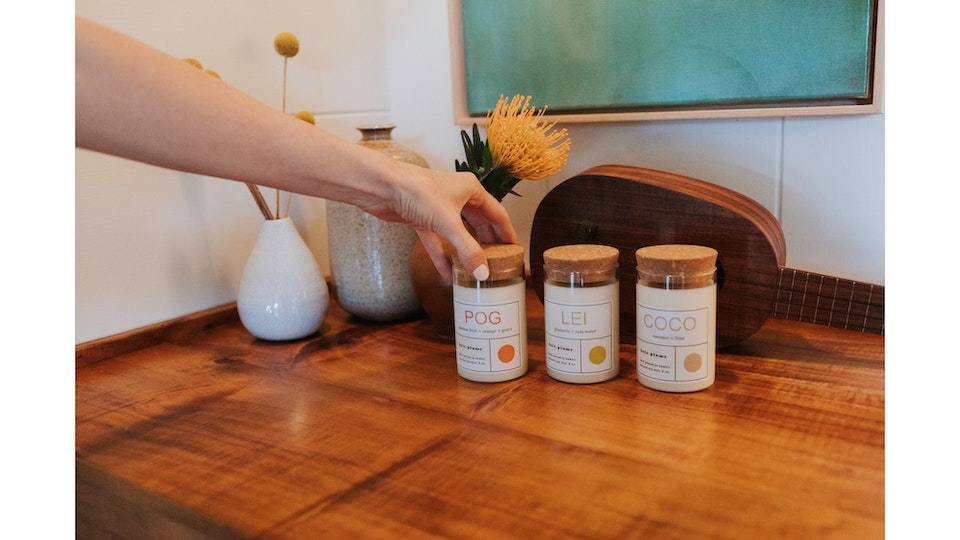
{"x":366,"y":431}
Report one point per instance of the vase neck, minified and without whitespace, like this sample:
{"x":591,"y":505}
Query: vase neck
{"x":376,"y":132}
{"x":277,"y":226}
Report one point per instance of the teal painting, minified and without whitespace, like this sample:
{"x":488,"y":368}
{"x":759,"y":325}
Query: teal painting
{"x":637,"y":55}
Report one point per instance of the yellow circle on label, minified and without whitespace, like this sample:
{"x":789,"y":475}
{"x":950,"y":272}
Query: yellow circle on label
{"x":692,"y":363}
{"x":597,"y":355}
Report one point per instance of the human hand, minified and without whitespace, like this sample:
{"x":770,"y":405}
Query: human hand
{"x":436,"y":203}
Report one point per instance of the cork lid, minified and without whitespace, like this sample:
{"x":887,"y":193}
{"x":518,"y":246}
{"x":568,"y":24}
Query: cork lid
{"x":676,"y":260}
{"x":504,"y":260}
{"x":592,"y":262}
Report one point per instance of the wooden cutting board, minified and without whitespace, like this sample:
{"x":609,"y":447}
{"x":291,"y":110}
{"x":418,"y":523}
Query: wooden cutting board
{"x":630,"y":207}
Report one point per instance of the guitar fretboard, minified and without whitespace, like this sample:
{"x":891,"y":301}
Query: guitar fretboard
{"x":831,"y":301}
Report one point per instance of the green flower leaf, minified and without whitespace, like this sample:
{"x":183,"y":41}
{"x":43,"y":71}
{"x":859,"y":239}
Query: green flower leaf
{"x":495,"y":179}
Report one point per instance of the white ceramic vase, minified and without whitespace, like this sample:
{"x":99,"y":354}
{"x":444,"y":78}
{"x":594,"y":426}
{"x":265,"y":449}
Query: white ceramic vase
{"x":282,"y":293}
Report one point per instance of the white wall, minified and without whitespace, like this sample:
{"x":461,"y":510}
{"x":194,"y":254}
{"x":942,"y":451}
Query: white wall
{"x":154,"y":244}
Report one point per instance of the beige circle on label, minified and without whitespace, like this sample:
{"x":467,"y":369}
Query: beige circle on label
{"x":692,"y":363}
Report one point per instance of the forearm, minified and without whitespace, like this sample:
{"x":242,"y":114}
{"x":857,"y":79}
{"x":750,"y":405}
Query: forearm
{"x":139,"y":103}
{"x":150,"y":107}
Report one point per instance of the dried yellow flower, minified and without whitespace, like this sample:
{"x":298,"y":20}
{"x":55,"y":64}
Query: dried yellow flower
{"x":193,"y":62}
{"x":286,"y":44}
{"x":520,"y":141}
{"x":306,"y":116}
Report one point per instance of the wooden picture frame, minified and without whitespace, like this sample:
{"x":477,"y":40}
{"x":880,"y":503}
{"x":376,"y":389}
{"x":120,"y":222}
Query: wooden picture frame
{"x":803,"y":56}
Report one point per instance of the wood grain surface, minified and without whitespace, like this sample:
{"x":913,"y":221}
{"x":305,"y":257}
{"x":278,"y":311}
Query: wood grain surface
{"x":366,"y":431}
{"x":632,"y":207}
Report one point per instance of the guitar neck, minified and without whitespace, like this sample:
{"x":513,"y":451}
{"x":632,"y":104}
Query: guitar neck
{"x":831,"y":301}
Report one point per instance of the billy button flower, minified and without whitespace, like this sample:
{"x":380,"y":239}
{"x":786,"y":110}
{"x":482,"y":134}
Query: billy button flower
{"x":286,"y":44}
{"x":196,"y":63}
{"x":307,"y":117}
{"x":519,"y":146}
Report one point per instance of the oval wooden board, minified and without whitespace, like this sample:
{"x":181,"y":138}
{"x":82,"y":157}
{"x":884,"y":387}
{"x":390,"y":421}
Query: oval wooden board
{"x":630,"y":207}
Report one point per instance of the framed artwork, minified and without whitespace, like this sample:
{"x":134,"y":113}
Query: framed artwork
{"x":617,"y":60}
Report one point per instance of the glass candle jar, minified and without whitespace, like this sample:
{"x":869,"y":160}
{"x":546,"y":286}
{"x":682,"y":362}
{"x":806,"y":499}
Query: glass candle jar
{"x":676,"y":317}
{"x":490,"y":317}
{"x":581,"y":301}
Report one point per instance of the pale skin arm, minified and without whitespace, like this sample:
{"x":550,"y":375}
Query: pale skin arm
{"x":136,"y":102}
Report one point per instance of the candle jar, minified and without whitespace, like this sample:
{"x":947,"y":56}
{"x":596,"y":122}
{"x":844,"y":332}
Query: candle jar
{"x":676,"y":317}
{"x":490,"y":317}
{"x":581,"y":301}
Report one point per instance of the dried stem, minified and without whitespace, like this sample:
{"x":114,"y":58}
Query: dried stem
{"x":289,"y":198}
{"x":283,"y":107}
{"x":261,"y":202}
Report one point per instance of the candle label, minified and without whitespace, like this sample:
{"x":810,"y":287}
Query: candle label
{"x":673,"y":345}
{"x":488,"y":336}
{"x":579,"y":337}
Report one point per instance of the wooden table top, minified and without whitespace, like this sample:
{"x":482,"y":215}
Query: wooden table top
{"x":197,"y":429}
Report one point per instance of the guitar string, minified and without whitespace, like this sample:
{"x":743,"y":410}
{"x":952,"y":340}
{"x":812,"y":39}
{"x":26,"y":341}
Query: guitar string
{"x":803,"y":297}
{"x":776,"y":301}
{"x":846,"y":322}
{"x":833,"y":300}
{"x":793,"y":282}
{"x":816,"y":308}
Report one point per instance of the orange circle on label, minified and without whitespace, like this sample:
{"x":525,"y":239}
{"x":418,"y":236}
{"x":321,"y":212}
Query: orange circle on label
{"x":597,"y":355}
{"x":692,"y":362}
{"x":506,"y":354}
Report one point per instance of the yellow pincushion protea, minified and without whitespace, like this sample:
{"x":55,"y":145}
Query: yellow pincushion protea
{"x":521,"y":141}
{"x":520,"y":146}
{"x":286,"y":44}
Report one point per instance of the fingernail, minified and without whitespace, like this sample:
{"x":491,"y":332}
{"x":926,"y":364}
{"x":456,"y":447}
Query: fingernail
{"x":481,"y":273}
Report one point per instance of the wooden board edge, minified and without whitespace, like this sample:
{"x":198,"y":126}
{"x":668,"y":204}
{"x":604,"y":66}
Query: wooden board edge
{"x":101,"y":349}
{"x":728,"y":198}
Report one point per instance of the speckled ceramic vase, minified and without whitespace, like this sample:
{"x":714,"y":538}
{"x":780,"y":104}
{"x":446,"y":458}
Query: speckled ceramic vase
{"x":369,"y":257}
{"x":282,"y":293}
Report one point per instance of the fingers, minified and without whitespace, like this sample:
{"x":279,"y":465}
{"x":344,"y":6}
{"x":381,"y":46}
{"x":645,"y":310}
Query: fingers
{"x":489,"y":219}
{"x":433,"y":245}
{"x":437,"y":209}
{"x":470,"y":254}
{"x":468,"y":251}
